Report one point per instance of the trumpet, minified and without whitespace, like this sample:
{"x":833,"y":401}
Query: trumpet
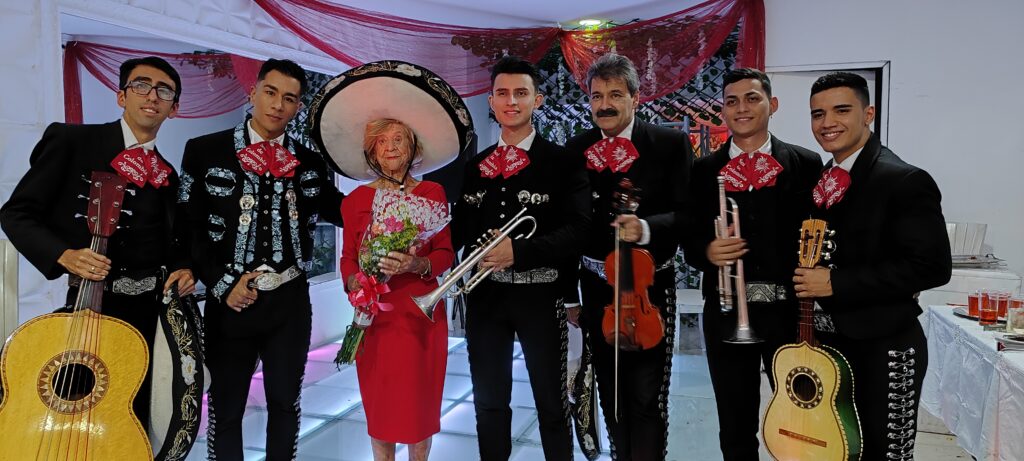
{"x":487,"y":243}
{"x":743,"y":334}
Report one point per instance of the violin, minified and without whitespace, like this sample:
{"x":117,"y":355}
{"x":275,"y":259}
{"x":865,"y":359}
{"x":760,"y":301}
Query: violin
{"x":631,"y":322}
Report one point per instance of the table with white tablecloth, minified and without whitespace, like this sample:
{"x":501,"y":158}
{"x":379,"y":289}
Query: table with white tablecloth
{"x":975,"y":390}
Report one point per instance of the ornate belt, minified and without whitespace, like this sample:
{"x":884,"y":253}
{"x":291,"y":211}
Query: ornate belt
{"x":268,"y":281}
{"x":139,"y":284}
{"x":539,"y":275}
{"x":760,"y":292}
{"x":597,"y":267}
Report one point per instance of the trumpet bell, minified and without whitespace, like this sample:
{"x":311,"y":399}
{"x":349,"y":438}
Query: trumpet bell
{"x":426,"y":304}
{"x":744,"y":335}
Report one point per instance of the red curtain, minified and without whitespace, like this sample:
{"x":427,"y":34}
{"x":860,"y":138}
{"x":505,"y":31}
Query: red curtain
{"x":460,"y":55}
{"x":668,"y":51}
{"x":246,"y":71}
{"x":208,"y":82}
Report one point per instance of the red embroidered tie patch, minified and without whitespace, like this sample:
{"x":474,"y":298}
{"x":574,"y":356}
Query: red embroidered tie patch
{"x":831,"y":187}
{"x":751,"y":172}
{"x":269,"y":156}
{"x":505,"y":160}
{"x":141,"y":166}
{"x":617,"y":154}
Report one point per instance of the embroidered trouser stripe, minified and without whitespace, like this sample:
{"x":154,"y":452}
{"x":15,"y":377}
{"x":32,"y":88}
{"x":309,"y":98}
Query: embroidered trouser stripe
{"x":641,"y":430}
{"x":887,"y":378}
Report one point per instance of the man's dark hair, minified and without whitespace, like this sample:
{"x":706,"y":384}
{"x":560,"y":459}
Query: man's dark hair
{"x":614,"y":66}
{"x":745,"y":73}
{"x":286,"y":67}
{"x":516,"y":65}
{"x":843,"y":79}
{"x":152,"y":61}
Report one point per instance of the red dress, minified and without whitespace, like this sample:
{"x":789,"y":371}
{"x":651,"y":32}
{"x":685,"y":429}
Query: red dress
{"x":402,"y":363}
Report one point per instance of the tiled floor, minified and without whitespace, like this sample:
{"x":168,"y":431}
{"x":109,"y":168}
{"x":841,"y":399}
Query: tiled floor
{"x":333,"y":426}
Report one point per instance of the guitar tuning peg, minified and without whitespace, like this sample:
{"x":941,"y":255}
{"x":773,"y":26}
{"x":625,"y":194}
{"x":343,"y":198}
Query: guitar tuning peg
{"x":83,"y":197}
{"x":130,"y":191}
{"x":826,"y":256}
{"x":79,"y":216}
{"x":86,"y":180}
{"x":127,"y":212}
{"x":831,"y":232}
{"x":124,"y":227}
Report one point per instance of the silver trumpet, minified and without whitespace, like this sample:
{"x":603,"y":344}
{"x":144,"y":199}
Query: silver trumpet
{"x":486,"y":243}
{"x":743,"y":334}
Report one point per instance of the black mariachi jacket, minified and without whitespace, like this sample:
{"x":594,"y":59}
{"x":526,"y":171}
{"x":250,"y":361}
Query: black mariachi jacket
{"x":891,"y":243}
{"x":241,"y":221}
{"x":553,"y":188}
{"x":40,"y":216}
{"x":661,"y":172}
{"x":770,"y":217}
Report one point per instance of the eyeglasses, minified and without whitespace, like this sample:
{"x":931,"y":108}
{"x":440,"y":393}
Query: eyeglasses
{"x":142,"y":89}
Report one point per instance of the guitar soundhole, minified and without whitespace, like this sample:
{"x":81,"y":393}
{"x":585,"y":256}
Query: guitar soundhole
{"x":73,"y":382}
{"x":804,"y":388}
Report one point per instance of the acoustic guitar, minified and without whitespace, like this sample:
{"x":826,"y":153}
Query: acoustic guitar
{"x":69,"y":378}
{"x":812,"y":416}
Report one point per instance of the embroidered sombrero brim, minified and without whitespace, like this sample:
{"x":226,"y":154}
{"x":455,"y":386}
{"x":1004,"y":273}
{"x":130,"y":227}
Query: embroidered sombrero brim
{"x":389,"y":89}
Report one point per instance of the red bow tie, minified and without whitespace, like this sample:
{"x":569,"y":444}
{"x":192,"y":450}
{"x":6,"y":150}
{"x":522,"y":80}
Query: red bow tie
{"x":141,"y":166}
{"x":505,"y":160}
{"x":268,"y":156}
{"x":831,"y":187}
{"x":617,"y":154}
{"x":746,"y":172}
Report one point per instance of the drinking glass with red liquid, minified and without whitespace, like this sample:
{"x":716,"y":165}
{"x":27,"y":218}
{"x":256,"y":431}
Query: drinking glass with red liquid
{"x":973,"y":300}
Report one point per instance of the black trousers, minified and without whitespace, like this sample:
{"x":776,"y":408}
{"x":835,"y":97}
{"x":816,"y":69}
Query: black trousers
{"x":496,"y":314}
{"x":276,"y":330}
{"x":141,"y":312}
{"x":641,"y":431}
{"x":736,"y":369}
{"x":887,"y":376}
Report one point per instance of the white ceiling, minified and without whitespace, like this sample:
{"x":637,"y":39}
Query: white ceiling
{"x":474,"y":13}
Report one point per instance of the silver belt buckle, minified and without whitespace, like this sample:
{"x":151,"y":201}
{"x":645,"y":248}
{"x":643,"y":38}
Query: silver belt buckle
{"x":268,"y":281}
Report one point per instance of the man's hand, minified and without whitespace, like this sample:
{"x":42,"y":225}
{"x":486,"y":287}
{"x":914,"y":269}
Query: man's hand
{"x":85,"y":263}
{"x":813,"y":283}
{"x":723,"y":252}
{"x":573,"y":315}
{"x":630,"y":229}
{"x":186,"y":284}
{"x":241,"y":295}
{"x":500,"y":257}
{"x":397,"y":262}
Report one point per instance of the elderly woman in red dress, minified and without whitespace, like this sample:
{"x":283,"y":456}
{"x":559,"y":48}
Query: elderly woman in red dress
{"x":386,"y":123}
{"x":402,"y":363}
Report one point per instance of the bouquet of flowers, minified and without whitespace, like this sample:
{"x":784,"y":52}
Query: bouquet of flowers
{"x":400,"y":222}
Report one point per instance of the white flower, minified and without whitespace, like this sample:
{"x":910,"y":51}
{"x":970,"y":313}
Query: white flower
{"x":408,"y":70}
{"x":188,"y":369}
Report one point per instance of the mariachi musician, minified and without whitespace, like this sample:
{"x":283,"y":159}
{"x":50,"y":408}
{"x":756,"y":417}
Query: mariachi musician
{"x":771,"y":182}
{"x":523,"y":296}
{"x":145,"y":256}
{"x":657,"y":161}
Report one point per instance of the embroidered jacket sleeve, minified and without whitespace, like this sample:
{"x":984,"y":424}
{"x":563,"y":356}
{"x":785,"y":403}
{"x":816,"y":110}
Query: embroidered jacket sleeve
{"x":194,"y":213}
{"x":919,"y":258}
{"x":662,"y":225}
{"x":563,"y":244}
{"x":22,"y":216}
{"x":696,"y":222}
{"x":329,"y":198}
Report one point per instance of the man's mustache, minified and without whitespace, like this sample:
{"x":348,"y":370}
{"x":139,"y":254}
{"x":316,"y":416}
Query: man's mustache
{"x":607,"y":113}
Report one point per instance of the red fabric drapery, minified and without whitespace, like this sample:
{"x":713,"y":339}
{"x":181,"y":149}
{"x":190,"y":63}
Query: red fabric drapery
{"x":208,"y":82}
{"x":668,"y":51}
{"x":246,"y":71}
{"x":460,"y":55}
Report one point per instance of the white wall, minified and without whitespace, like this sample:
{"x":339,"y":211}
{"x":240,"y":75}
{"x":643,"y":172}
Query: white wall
{"x":955,"y":92}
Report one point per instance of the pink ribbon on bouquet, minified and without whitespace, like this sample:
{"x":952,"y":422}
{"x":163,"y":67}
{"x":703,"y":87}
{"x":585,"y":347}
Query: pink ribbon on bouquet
{"x":369,"y":293}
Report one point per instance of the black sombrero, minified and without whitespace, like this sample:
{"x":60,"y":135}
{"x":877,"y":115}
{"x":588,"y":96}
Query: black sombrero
{"x":389,"y":89}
